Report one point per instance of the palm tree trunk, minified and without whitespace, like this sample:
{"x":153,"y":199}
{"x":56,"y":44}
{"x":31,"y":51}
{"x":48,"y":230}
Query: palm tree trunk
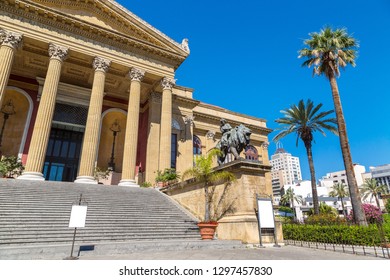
{"x":207,"y":204}
{"x":313,"y":179}
{"x":342,"y":206}
{"x":377,"y":200}
{"x":358,"y":212}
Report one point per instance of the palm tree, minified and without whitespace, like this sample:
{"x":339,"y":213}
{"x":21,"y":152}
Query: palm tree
{"x":328,"y":51}
{"x":304,"y":120}
{"x":289,"y":197}
{"x":340,"y":191}
{"x":373,"y":189}
{"x":204,"y":173}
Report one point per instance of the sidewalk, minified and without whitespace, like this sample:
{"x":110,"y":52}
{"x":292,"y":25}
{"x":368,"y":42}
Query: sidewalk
{"x":285,"y":252}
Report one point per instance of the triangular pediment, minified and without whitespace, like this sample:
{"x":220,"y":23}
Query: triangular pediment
{"x":110,"y":16}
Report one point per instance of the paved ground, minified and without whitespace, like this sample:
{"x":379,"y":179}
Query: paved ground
{"x":269,"y":253}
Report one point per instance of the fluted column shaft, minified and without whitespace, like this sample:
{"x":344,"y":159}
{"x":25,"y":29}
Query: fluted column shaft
{"x":166,"y":123}
{"x":131,"y":136}
{"x":9,"y":43}
{"x":91,"y":135}
{"x":41,"y":132}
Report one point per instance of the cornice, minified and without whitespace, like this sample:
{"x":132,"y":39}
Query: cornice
{"x":216,"y":120}
{"x":29,"y":11}
{"x":185,"y":101}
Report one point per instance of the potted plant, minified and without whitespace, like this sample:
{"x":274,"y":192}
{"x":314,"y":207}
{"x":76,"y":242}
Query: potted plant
{"x":169,"y":176}
{"x":11,"y":167}
{"x":100,"y":174}
{"x":204,"y":173}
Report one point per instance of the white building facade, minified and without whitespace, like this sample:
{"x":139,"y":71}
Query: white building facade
{"x":336,"y":177}
{"x":382,"y":174}
{"x":286,"y":170}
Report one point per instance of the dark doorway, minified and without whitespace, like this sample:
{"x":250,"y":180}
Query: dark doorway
{"x":62,"y":155}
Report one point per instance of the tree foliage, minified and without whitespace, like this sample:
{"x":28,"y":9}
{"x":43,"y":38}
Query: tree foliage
{"x":204,"y":173}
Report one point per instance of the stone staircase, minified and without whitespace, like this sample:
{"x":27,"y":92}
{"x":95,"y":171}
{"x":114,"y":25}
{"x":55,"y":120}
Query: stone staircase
{"x":36,"y":215}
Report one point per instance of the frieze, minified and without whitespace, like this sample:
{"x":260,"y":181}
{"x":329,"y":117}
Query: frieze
{"x":137,"y":55}
{"x":86,"y":30}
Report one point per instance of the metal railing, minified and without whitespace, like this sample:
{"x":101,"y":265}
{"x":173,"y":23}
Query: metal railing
{"x":374,"y":251}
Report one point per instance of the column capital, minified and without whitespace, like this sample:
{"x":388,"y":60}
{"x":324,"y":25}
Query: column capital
{"x":167,"y":83}
{"x":58,"y":52}
{"x":101,"y":64}
{"x":189,"y":120}
{"x":136,"y":74}
{"x":210,"y":134}
{"x":10,"y":39}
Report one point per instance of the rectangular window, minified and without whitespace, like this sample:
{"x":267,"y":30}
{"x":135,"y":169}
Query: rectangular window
{"x":173,"y":150}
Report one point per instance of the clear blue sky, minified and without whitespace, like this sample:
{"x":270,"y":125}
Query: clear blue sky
{"x":244,"y":57}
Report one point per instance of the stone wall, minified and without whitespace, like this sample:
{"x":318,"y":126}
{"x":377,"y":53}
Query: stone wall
{"x":240,"y":221}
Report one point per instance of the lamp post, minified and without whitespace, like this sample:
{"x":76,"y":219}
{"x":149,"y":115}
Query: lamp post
{"x":115,"y":128}
{"x":8,"y":109}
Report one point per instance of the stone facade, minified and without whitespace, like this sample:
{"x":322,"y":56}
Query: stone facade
{"x":75,"y":69}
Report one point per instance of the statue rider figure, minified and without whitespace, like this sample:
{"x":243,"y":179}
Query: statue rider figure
{"x":226,"y":131}
{"x":233,"y":140}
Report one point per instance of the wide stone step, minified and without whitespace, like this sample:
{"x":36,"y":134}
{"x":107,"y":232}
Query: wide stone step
{"x":39,"y":213}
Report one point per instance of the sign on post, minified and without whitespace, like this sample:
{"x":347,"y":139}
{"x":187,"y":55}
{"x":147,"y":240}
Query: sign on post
{"x":78,"y":216}
{"x":266,"y":218}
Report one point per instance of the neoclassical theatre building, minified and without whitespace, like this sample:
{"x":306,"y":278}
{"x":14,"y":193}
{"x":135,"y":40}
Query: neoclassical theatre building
{"x":86,"y":84}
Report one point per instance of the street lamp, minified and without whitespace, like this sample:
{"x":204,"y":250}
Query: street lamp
{"x":8,"y":109}
{"x":115,"y":128}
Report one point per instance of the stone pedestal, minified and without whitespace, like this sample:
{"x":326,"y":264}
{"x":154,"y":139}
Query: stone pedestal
{"x":240,"y":223}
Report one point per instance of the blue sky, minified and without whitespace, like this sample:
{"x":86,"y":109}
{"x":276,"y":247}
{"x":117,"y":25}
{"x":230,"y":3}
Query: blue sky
{"x":244,"y":57}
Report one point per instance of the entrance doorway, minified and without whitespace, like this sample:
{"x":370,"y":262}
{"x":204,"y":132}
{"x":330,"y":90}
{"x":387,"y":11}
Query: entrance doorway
{"x":62,"y":155}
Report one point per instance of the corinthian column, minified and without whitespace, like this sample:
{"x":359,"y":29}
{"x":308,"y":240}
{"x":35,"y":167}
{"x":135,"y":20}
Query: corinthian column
{"x":91,"y":135}
{"x":131,"y":137}
{"x":166,"y":123}
{"x":40,"y":136}
{"x":9,"y":43}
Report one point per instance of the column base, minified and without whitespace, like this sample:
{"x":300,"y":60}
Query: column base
{"x":128,"y":183}
{"x":34,"y":176}
{"x":86,"y":180}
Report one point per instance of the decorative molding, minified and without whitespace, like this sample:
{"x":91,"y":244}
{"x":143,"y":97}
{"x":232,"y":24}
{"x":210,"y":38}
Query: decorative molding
{"x":184,"y":45}
{"x":136,"y":74}
{"x":265,"y":145}
{"x":167,"y":83}
{"x":53,"y":20}
{"x":210,"y":134}
{"x":58,"y":52}
{"x":101,"y":64}
{"x":10,"y":39}
{"x":189,"y":120}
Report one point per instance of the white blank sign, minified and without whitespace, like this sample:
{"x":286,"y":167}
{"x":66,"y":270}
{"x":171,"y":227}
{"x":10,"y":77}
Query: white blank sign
{"x":266,"y":213}
{"x":78,"y":216}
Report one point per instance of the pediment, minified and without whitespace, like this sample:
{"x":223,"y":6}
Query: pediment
{"x":110,"y":16}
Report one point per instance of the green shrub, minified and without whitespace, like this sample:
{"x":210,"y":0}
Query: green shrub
{"x":338,"y":234}
{"x":324,"y":209}
{"x":324,"y":219}
{"x":387,"y":206}
{"x":11,"y":166}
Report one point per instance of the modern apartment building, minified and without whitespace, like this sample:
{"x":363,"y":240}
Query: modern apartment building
{"x":286,"y":169}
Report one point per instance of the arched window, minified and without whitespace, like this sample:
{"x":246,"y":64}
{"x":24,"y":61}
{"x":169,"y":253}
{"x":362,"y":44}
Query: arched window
{"x":251,"y":153}
{"x":197,"y":146}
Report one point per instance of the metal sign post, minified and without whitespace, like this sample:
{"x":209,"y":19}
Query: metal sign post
{"x":77,"y":219}
{"x":266,"y":217}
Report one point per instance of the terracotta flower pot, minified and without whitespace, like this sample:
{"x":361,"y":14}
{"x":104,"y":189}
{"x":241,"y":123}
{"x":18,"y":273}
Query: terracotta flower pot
{"x":207,"y":229}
